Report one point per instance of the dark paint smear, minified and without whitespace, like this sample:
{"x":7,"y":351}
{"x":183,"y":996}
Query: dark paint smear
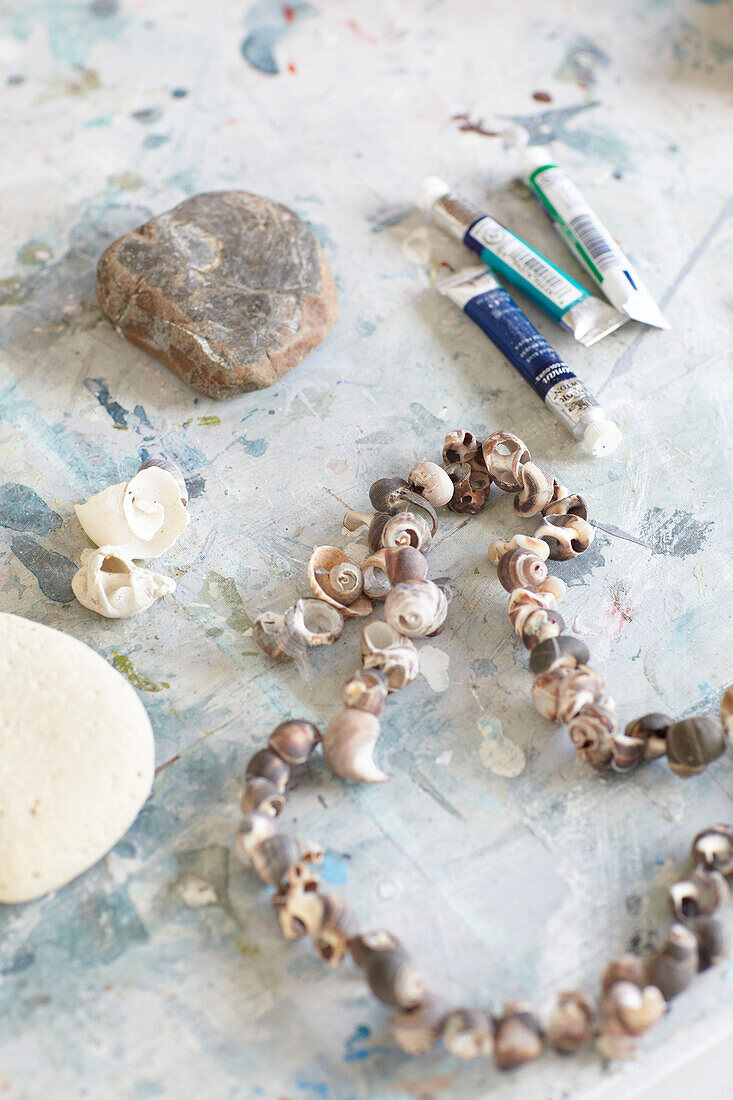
{"x":100,"y":389}
{"x":542,"y":97}
{"x":23,"y":510}
{"x":52,"y":571}
{"x":677,"y":533}
{"x":21,"y":961}
{"x":147,"y":114}
{"x":104,"y":9}
{"x":257,"y":48}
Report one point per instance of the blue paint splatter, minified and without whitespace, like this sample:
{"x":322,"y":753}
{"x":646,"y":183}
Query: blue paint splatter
{"x":100,"y":389}
{"x":334,"y":870}
{"x":154,"y":141}
{"x":21,"y":961}
{"x":267,"y":22}
{"x":23,"y":510}
{"x":70,"y":37}
{"x":52,"y":571}
{"x":254,"y":447}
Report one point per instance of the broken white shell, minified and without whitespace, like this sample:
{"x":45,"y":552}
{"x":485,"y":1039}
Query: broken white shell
{"x":308,"y":622}
{"x":384,"y":648}
{"x":141,"y":518}
{"x":348,"y":744}
{"x":109,"y":583}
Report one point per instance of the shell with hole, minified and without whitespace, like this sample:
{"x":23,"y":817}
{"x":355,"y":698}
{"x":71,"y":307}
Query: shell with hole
{"x":308,"y":622}
{"x":141,"y":518}
{"x":337,"y":580}
{"x":110,"y":583}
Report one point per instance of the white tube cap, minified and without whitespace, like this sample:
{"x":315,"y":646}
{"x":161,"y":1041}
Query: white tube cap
{"x":430,"y":190}
{"x":534,"y":157}
{"x":601,"y":437}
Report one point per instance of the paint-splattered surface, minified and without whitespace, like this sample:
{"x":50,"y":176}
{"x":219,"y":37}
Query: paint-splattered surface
{"x":506,"y":867}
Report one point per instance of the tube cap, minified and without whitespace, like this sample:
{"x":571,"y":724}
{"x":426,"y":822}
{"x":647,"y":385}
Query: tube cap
{"x":601,"y":437}
{"x":430,"y":190}
{"x":533,"y":157}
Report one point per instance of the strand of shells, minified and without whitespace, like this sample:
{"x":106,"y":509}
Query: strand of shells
{"x":635,"y":991}
{"x":565,"y":690}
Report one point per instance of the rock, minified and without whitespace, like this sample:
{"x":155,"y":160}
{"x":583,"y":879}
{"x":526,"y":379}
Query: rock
{"x":76,"y":758}
{"x":228,"y":289}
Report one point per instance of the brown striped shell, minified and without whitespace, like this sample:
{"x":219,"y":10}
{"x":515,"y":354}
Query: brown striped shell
{"x":535,"y":490}
{"x":592,"y":732}
{"x":571,"y":504}
{"x":471,"y":488}
{"x":499,"y":547}
{"x":561,"y":694}
{"x":567,"y":536}
{"x":521,"y":569}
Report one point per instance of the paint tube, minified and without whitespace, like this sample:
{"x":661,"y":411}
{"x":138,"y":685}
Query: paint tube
{"x":588,"y":239}
{"x":480,"y":295}
{"x":575,"y":308}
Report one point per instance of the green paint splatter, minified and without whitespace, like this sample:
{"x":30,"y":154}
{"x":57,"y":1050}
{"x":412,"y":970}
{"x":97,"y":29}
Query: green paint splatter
{"x":13,"y":291}
{"x":124,"y":665}
{"x":209,"y":421}
{"x":126,"y":181}
{"x":71,"y":33}
{"x":249,"y":950}
{"x":35,"y":253}
{"x":219,"y":589}
{"x":101,"y":120}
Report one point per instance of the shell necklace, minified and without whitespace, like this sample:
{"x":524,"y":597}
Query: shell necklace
{"x":635,"y":991}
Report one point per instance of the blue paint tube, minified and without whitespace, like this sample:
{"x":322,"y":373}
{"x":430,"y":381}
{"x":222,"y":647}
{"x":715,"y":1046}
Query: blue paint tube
{"x":588,"y":318}
{"x":480,"y":295}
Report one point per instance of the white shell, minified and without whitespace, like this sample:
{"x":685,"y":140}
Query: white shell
{"x":348,"y":744}
{"x":432,"y":481}
{"x":416,"y":608}
{"x":142,"y":517}
{"x":109,"y":583}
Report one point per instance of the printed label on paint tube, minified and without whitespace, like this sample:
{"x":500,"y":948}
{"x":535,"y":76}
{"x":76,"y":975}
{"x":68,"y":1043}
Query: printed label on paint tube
{"x":515,"y":335}
{"x":569,"y":206}
{"x":591,"y":242}
{"x":488,"y":236}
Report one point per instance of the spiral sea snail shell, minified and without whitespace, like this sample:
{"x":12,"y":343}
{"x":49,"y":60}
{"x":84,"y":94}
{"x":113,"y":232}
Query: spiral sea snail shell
{"x":471,"y":488}
{"x":521,"y":569}
{"x":393,"y":494}
{"x":405,"y":529}
{"x":335,"y":579}
{"x":416,"y":609}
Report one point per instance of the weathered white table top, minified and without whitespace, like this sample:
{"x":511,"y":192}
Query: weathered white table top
{"x":508,"y":868}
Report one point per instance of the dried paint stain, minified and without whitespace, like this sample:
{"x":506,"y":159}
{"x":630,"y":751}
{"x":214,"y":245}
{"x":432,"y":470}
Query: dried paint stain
{"x":498,"y":753}
{"x":124,"y":665}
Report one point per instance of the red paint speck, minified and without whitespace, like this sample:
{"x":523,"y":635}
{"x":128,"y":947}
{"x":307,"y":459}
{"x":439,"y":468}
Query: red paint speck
{"x":354,"y":26}
{"x":292,"y":68}
{"x":444,"y":263}
{"x":288,"y":13}
{"x":542,"y":97}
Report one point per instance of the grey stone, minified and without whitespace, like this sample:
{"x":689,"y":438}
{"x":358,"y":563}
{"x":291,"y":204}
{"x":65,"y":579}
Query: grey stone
{"x":228,"y":289}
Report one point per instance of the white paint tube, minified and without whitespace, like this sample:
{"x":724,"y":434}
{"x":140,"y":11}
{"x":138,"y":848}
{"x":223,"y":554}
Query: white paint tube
{"x":588,"y":239}
{"x":480,"y":295}
{"x":562,"y":298}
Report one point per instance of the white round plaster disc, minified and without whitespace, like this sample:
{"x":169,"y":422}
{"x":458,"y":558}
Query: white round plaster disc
{"x":76,"y":758}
